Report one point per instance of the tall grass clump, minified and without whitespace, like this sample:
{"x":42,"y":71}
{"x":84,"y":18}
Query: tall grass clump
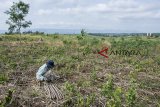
{"x":70,"y":89}
{"x":131,"y":93}
{"x":3,"y":78}
{"x":7,"y":100}
{"x":113,"y":94}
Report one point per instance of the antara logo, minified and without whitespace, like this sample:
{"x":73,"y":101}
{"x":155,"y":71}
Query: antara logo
{"x":105,"y":52}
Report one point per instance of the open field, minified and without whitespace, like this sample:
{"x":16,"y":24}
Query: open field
{"x":120,"y":80}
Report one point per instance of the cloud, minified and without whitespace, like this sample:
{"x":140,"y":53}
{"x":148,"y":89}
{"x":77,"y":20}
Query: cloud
{"x":44,"y":12}
{"x":100,"y":14}
{"x":4,"y":5}
{"x":114,"y":6}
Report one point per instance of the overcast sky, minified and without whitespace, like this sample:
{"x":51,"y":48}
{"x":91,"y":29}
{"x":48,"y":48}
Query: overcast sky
{"x":124,"y":15}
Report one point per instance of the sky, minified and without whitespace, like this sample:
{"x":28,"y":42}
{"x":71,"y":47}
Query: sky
{"x":109,"y":15}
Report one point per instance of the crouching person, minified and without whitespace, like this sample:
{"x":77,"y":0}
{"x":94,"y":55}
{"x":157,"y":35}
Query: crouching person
{"x":44,"y":72}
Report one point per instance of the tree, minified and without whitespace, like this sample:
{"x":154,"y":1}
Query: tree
{"x":83,"y":32}
{"x":17,"y":14}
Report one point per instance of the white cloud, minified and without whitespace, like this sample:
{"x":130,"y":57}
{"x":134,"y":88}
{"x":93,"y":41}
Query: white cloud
{"x":4,"y":5}
{"x":119,"y":9}
{"x":44,"y":12}
{"x":101,"y":14}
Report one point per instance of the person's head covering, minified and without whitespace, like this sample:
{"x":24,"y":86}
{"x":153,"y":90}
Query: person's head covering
{"x":50,"y":64}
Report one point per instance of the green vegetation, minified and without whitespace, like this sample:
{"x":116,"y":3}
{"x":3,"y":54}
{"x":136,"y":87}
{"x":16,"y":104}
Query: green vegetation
{"x":113,"y":94}
{"x":133,"y":80}
{"x":17,"y":14}
{"x":7,"y":100}
{"x":83,"y":32}
{"x":3,"y":78}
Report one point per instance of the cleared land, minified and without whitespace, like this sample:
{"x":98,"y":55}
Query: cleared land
{"x":88,"y":79}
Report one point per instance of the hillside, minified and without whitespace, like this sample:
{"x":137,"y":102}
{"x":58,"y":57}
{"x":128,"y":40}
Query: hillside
{"x":120,"y":80}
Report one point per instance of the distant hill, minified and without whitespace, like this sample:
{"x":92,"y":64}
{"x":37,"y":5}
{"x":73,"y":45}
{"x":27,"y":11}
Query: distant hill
{"x":51,"y":31}
{"x":74,"y":31}
{"x":60,"y":31}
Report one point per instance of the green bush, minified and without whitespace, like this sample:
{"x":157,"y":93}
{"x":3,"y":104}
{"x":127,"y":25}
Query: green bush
{"x":55,"y":36}
{"x":79,"y":37}
{"x":158,"y":60}
{"x":87,"y":50}
{"x":131,"y":97}
{"x":112,"y":93}
{"x":3,"y":78}
{"x":83,"y":32}
{"x":70,"y":89}
{"x":94,"y":76}
{"x":83,"y":42}
{"x":85,"y":101}
{"x":7,"y":100}
{"x":67,"y":42}
{"x":94,"y":41}
{"x":108,"y":87}
{"x":131,"y":94}
{"x":1,"y":39}
{"x":103,"y":39}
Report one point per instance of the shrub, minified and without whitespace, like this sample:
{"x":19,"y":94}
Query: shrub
{"x":85,"y":101}
{"x":7,"y":100}
{"x":113,"y":94}
{"x":87,"y":50}
{"x":117,"y":95}
{"x":83,"y":32}
{"x":131,"y":94}
{"x":56,"y":36}
{"x":90,"y":99}
{"x":103,"y":39}
{"x":94,"y":41}
{"x":1,"y":39}
{"x":67,"y":42}
{"x":93,"y":76}
{"x":108,"y":87}
{"x":3,"y":78}
{"x":158,"y":60}
{"x":83,"y":42}
{"x":80,"y":101}
{"x":70,"y":88}
{"x":79,"y":37}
